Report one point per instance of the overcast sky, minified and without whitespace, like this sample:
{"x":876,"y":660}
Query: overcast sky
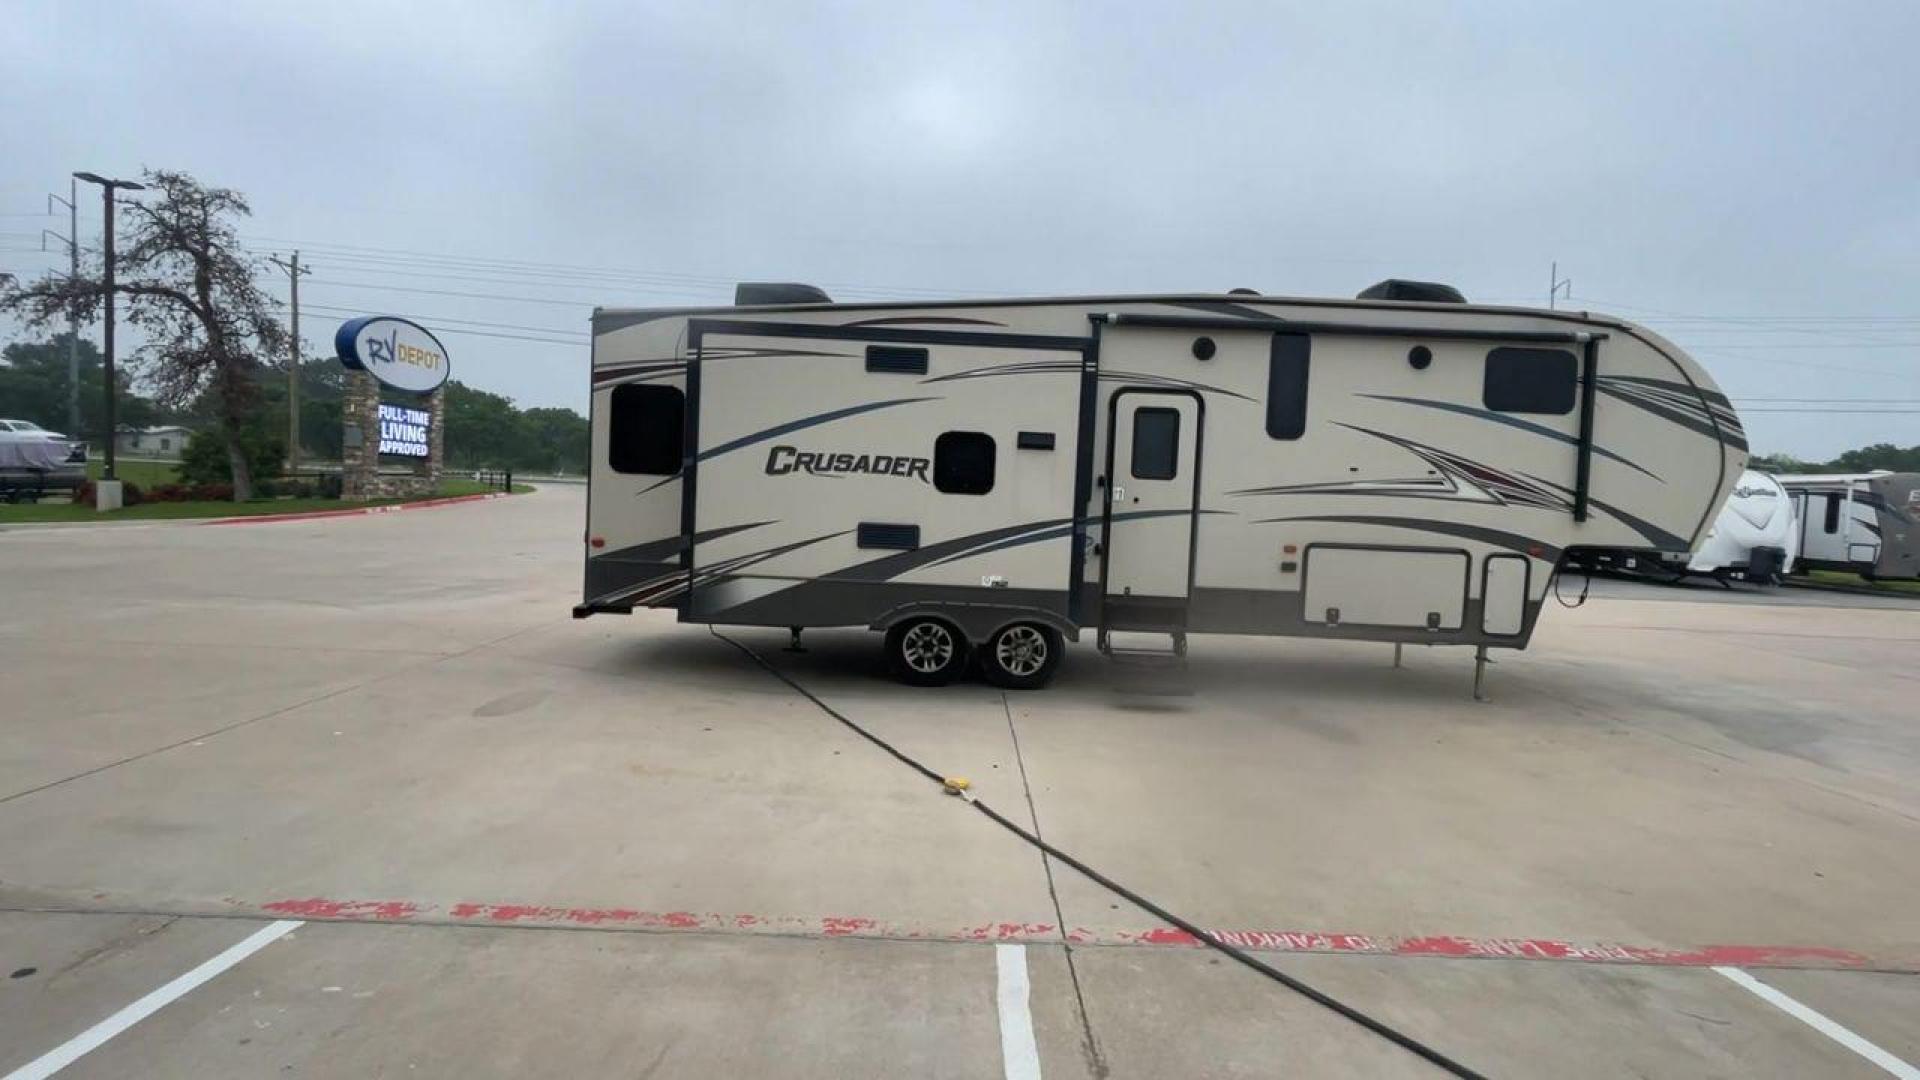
{"x":1756,"y":164}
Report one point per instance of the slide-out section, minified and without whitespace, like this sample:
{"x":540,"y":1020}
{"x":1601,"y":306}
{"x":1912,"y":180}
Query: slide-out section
{"x":843,"y":472}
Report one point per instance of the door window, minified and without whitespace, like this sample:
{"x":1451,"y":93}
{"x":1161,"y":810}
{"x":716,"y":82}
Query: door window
{"x":1156,"y":444}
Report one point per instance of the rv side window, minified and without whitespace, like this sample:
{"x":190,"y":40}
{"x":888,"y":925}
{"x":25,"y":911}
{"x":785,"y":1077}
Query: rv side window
{"x":963,"y":463}
{"x":1832,"y":524}
{"x":1156,"y":444}
{"x":1287,"y":386}
{"x":1530,"y":381}
{"x":645,"y":429}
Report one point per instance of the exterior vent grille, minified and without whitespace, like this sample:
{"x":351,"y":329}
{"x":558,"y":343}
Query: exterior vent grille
{"x":890,"y":537}
{"x":895,"y":360}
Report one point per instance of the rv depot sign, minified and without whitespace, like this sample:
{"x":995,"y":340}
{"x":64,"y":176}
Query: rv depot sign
{"x":401,"y":354}
{"x":391,"y":447}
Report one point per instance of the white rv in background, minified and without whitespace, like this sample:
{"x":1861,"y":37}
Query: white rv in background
{"x":1860,"y":522}
{"x":1756,"y":536}
{"x":992,"y":477}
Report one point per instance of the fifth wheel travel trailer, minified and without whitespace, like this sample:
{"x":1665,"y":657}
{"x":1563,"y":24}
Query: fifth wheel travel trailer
{"x":1867,"y":523}
{"x":993,"y":476}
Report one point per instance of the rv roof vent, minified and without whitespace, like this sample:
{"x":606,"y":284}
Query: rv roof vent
{"x":1401,"y":289}
{"x":1243,"y":292}
{"x":753,"y":293}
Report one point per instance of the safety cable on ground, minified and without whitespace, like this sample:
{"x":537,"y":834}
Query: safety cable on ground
{"x":1380,"y":1028}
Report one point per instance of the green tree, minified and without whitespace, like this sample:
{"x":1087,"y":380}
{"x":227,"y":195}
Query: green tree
{"x":194,"y":294}
{"x":1878,"y":456}
{"x":1780,"y":463}
{"x":33,"y":386}
{"x":482,"y":429}
{"x":204,"y":461}
{"x":557,"y":440}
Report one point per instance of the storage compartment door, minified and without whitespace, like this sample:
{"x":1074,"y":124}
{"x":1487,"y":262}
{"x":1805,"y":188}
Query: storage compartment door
{"x":1503,"y":594}
{"x":1348,"y":585}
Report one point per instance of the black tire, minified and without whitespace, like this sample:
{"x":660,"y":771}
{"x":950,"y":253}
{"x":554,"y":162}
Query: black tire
{"x":1021,"y":656}
{"x":924,"y":651}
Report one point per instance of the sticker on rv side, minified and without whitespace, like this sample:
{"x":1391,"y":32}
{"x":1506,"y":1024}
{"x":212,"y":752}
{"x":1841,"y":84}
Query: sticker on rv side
{"x":787,"y":460}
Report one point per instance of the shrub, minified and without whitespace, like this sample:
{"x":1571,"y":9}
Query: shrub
{"x":204,"y":461}
{"x":168,"y":493}
{"x":130,"y":494}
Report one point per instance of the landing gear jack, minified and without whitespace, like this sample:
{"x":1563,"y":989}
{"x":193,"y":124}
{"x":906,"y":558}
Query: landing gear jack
{"x":794,"y":645}
{"x":1479,"y":672}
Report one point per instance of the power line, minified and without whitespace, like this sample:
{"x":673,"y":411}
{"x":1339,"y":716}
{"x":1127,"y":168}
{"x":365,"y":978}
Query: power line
{"x":1915,"y":345}
{"x":1836,"y":412}
{"x":656,"y":276}
{"x":458,"y":322}
{"x":446,"y":292}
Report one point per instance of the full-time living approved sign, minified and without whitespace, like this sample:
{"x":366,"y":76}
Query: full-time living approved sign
{"x":405,"y":432}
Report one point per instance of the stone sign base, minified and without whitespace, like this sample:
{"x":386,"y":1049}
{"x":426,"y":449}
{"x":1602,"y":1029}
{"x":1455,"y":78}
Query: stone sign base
{"x":363,"y":476}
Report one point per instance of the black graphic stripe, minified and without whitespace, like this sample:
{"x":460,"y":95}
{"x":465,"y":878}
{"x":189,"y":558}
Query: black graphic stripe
{"x":1525,"y":545}
{"x":638,"y":370}
{"x":745,"y":352}
{"x":1713,"y":397}
{"x":1688,"y":407}
{"x":890,"y":566}
{"x":1653,"y":534}
{"x":1031,"y":367}
{"x":1057,"y":531}
{"x":1149,"y":379}
{"x":946,"y":320}
{"x":803,"y":423}
{"x":1223,"y":307}
{"x":1514,"y":422}
{"x":655,"y":550}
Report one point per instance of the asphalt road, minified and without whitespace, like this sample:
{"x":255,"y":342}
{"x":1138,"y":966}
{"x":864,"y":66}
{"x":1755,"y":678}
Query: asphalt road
{"x":355,"y":797}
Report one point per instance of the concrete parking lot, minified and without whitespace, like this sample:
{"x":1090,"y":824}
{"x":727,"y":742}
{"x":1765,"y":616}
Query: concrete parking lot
{"x":424,"y":824}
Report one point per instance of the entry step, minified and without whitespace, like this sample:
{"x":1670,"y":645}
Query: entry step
{"x":1144,"y":648}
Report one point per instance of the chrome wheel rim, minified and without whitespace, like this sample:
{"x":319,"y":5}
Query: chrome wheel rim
{"x":1022,"y":651}
{"x":927,"y":648}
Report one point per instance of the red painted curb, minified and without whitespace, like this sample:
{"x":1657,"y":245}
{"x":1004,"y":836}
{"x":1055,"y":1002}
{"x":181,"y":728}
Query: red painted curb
{"x":1449,"y":946}
{"x":309,"y":515}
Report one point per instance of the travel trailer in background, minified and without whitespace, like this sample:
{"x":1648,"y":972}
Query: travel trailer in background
{"x":1860,"y":522}
{"x":1755,"y":536}
{"x":991,"y":477}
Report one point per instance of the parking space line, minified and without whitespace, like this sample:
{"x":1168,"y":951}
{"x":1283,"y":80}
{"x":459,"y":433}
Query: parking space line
{"x":1821,"y":1023}
{"x":1019,"y":1054}
{"x":94,"y":1037}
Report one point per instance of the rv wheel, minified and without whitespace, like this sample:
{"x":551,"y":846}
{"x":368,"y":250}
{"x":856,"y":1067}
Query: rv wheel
{"x":926,"y":652}
{"x":1021,"y":656}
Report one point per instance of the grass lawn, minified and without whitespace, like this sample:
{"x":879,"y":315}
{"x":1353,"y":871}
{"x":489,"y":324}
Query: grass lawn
{"x":1835,"y":577}
{"x":145,"y":474}
{"x":26,"y":513}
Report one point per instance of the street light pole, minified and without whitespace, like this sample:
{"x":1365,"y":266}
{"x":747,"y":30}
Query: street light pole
{"x":106,"y":338}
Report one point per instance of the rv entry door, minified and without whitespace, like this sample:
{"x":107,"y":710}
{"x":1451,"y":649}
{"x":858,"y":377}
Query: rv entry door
{"x":1153,"y":480}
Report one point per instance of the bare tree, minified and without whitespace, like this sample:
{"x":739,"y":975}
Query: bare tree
{"x":190,"y":288}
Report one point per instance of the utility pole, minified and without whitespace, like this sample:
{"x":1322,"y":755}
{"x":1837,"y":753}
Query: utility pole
{"x":108,"y":497}
{"x":294,"y":270}
{"x":1557,"y":287}
{"x":73,"y":315}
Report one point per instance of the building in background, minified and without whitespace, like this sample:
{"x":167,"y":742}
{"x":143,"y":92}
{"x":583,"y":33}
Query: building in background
{"x":166,"y":441}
